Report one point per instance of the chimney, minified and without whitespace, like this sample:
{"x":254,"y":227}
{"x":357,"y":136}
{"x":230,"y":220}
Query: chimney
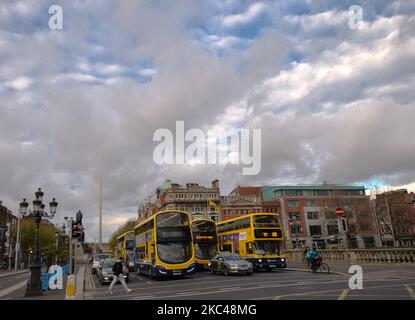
{"x":215,"y":184}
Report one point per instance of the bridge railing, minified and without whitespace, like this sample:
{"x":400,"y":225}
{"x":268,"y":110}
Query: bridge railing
{"x":380,"y":255}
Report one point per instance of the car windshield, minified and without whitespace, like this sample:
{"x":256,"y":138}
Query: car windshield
{"x":99,"y":257}
{"x":231,"y":257}
{"x":267,"y":247}
{"x":108,"y":264}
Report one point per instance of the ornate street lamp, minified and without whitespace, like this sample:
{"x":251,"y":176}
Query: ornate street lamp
{"x":34,"y":286}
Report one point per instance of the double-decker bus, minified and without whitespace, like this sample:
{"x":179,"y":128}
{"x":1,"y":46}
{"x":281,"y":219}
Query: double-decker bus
{"x":126,"y":248}
{"x":256,"y":237}
{"x":205,"y":241}
{"x":164,"y":245}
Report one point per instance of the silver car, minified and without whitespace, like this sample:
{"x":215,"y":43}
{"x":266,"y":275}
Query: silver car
{"x":230,"y":263}
{"x":96,"y":259}
{"x":105,"y":273}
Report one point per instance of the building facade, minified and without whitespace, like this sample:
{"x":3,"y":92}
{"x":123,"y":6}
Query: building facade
{"x":8,"y":230}
{"x":308,"y":216}
{"x":395,"y":212}
{"x":192,"y":198}
{"x":241,"y":201}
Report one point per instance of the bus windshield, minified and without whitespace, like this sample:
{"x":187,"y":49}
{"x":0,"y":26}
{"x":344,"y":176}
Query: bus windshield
{"x":262,"y":221}
{"x":173,"y":237}
{"x":269,"y":247}
{"x":205,"y":250}
{"x":129,"y":244}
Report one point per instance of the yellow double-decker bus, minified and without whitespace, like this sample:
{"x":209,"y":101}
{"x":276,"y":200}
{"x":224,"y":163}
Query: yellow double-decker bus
{"x":256,"y":237}
{"x":126,"y":248}
{"x":205,"y":241}
{"x":164,"y":245}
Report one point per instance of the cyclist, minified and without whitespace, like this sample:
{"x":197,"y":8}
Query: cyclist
{"x":313,"y":257}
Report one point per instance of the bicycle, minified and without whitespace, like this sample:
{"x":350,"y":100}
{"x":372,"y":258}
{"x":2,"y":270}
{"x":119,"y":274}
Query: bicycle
{"x":318,"y":265}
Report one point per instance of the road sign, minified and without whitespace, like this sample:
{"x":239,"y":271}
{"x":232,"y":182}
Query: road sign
{"x":339,"y":212}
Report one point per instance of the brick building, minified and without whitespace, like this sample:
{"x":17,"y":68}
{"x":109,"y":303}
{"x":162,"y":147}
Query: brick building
{"x":395,"y":212}
{"x":8,"y":228}
{"x":308,"y":215}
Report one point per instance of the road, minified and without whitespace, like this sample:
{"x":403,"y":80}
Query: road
{"x":379,"y":282}
{"x":12,"y":283}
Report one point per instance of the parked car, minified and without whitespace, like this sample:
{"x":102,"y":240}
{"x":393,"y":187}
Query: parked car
{"x":229,"y":263}
{"x":105,"y":273}
{"x":96,"y":259}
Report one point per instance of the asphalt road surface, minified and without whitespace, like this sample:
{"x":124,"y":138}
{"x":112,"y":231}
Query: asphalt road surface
{"x":379,"y":282}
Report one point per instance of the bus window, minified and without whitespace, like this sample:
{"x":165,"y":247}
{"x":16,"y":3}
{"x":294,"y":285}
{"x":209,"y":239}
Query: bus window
{"x":249,"y":248}
{"x":226,"y":248}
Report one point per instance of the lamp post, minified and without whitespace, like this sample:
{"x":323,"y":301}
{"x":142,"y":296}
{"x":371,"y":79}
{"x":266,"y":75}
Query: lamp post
{"x":57,"y":246}
{"x":69,"y":221}
{"x":34,"y":287}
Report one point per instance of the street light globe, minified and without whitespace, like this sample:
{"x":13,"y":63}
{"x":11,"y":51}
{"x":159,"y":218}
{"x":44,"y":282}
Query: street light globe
{"x":53,"y":206}
{"x":37,"y":204}
{"x":23,"y":207}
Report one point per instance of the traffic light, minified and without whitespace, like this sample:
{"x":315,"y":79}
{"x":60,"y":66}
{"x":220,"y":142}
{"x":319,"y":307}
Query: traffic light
{"x":77,"y":231}
{"x":343,"y":223}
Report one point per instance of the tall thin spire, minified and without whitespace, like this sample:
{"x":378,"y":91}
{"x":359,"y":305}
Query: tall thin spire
{"x":100,"y":203}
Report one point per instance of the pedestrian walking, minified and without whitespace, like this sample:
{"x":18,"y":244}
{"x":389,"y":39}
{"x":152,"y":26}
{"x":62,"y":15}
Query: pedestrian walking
{"x":118,"y":270}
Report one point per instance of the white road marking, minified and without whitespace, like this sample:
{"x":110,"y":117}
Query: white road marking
{"x":12,"y":288}
{"x":187,"y":293}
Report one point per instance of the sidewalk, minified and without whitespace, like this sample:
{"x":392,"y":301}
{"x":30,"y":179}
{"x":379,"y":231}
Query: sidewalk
{"x":12,"y":273}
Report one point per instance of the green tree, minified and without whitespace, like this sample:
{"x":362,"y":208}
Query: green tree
{"x":47,"y":237}
{"x":128,"y":226}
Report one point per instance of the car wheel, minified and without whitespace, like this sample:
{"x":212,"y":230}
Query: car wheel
{"x":212,"y":271}
{"x":226,"y":271}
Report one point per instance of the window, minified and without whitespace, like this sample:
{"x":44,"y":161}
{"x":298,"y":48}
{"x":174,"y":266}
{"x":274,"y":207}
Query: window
{"x":181,"y":207}
{"x":294,"y":216}
{"x":364,"y":227}
{"x":296,"y":229}
{"x":293,"y":203}
{"x":197,"y":207}
{"x":369,"y":242}
{"x":330,"y":215}
{"x":312,"y":215}
{"x":308,"y":192}
{"x":332,"y":229}
{"x":291,"y":193}
{"x":315,"y":230}
{"x":321,"y":192}
{"x":311,"y":203}
{"x":364,"y":214}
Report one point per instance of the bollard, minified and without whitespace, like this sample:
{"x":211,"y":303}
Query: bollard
{"x":70,"y":288}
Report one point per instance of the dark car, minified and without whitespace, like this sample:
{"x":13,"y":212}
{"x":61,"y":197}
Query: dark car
{"x":229,"y":263}
{"x":105,"y":273}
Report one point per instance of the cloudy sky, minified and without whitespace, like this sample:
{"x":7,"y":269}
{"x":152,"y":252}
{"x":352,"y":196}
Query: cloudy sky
{"x":334,"y":103}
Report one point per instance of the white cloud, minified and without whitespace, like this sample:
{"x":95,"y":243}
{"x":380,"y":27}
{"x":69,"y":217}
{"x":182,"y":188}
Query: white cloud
{"x":253,"y":11}
{"x":20,"y":83}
